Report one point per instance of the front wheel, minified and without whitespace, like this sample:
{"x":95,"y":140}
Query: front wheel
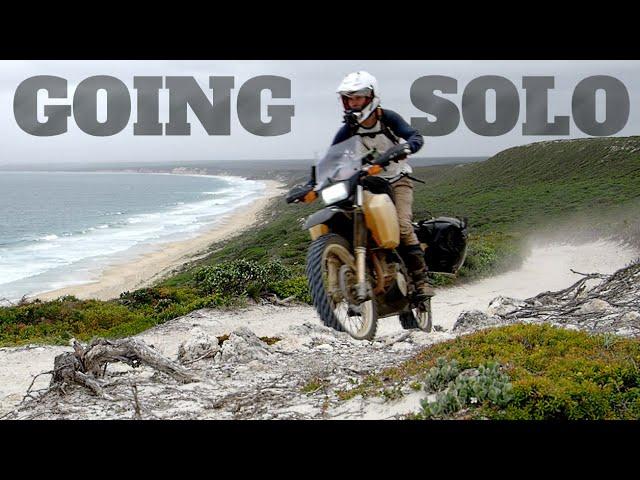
{"x":332,"y":285}
{"x":419,"y":317}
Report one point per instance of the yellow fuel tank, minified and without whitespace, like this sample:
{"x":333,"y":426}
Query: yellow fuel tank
{"x":382,"y":219}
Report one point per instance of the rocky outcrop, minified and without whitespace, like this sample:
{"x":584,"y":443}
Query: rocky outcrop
{"x":243,"y":346}
{"x":301,"y":373}
{"x":197,"y":347}
{"x":299,"y":376}
{"x":472,"y":320}
{"x":596,"y":304}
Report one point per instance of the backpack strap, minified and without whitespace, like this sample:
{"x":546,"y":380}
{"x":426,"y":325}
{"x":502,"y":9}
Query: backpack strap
{"x":385,"y":128}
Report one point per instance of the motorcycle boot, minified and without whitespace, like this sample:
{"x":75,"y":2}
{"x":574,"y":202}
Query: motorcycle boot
{"x":418,"y":271}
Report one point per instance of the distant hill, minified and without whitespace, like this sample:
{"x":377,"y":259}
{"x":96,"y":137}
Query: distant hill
{"x":506,"y":197}
{"x":246,"y":168}
{"x":523,"y":185}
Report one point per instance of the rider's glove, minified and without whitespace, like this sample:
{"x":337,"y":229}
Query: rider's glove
{"x":400,"y":152}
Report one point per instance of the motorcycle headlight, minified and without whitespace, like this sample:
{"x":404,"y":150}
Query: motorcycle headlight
{"x":335,"y":193}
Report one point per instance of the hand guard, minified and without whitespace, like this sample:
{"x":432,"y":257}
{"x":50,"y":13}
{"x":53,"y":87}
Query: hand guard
{"x":399,"y":152}
{"x":297,"y":193}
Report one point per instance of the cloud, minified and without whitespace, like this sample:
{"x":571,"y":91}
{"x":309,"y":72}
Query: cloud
{"x":317,"y":110}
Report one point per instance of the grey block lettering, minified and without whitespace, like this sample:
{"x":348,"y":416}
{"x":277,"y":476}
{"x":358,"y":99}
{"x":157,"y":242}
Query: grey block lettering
{"x":583,"y":105}
{"x":423,"y":97}
{"x":474,"y":105}
{"x":85,"y":105}
{"x":148,"y":122}
{"x":215,"y":117}
{"x":537,"y":109}
{"x":25,"y":106}
{"x":249,"y":106}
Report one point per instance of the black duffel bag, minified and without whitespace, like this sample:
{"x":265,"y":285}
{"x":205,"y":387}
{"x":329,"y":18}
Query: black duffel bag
{"x":446,"y":240}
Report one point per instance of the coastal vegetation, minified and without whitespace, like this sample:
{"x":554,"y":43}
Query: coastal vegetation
{"x":227,"y":285}
{"x":572,"y":189}
{"x":520,"y":372}
{"x":567,"y":184}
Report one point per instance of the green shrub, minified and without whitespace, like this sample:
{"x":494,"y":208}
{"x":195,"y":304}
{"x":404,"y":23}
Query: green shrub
{"x":555,"y":374}
{"x":59,"y":320}
{"x":441,"y":374}
{"x":152,"y":297}
{"x":296,"y":287}
{"x":240,"y":277}
{"x":225,"y":285}
{"x":489,"y":386}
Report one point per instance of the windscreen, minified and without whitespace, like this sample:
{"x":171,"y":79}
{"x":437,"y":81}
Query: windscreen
{"x":340,"y":162}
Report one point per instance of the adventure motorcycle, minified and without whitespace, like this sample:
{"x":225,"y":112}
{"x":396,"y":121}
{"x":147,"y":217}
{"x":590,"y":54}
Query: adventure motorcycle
{"x":355,"y":268}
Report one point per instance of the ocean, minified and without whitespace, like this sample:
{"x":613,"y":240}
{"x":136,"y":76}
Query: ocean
{"x":59,"y":228}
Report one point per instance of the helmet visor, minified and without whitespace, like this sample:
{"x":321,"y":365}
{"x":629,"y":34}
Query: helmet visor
{"x":364,"y":92}
{"x":347,"y":103}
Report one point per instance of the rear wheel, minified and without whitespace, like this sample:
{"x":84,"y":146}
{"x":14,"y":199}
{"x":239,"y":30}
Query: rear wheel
{"x":332,"y":285}
{"x":419,"y":317}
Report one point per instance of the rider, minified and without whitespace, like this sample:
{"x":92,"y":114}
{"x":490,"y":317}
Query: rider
{"x":382,"y":129}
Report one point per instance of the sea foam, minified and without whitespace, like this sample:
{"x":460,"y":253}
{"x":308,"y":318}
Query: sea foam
{"x":54,"y":261}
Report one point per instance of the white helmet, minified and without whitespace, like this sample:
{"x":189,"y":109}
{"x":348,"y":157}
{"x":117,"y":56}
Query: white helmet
{"x":359,"y":83}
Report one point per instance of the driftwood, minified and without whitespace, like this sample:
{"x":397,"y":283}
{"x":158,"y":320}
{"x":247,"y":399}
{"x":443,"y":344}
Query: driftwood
{"x":621,"y":291}
{"x":87,"y":366}
{"x":137,"y":415}
{"x":273,"y":298}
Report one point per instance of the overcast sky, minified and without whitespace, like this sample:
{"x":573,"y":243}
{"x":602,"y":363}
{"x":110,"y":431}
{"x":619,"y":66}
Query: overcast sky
{"x":317,"y":109}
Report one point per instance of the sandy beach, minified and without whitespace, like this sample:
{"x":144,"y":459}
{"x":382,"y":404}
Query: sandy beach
{"x":161,"y":260}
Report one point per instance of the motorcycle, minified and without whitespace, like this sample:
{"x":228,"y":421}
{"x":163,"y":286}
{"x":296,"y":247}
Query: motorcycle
{"x":355,"y":268}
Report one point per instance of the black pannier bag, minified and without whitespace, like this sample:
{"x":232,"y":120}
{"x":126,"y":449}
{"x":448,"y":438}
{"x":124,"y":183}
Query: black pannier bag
{"x":446,"y":240}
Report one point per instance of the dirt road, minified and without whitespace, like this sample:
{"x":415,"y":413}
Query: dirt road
{"x":296,"y":377}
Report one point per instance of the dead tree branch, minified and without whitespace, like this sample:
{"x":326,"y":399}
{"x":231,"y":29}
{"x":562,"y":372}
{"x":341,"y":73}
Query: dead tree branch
{"x":607,"y":306}
{"x":137,"y":415}
{"x":86,"y":366}
{"x":273,"y":298}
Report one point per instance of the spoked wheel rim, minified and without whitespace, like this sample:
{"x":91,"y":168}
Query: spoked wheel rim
{"x":339,"y":276}
{"x":355,"y":319}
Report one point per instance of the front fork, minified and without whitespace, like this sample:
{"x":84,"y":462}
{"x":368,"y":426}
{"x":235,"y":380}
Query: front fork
{"x":360,"y":247}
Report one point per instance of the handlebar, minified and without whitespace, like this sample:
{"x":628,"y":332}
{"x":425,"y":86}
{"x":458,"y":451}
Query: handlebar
{"x":305,"y":193}
{"x":394,"y":154}
{"x":298,"y":193}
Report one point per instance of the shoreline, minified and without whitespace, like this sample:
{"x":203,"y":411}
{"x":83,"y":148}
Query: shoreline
{"x":150,"y":266}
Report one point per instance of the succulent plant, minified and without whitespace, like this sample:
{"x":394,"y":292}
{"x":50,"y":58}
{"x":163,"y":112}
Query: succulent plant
{"x":456,"y":391}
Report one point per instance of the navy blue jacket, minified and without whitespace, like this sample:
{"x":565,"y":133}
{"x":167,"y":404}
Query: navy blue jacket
{"x":397,"y":125}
